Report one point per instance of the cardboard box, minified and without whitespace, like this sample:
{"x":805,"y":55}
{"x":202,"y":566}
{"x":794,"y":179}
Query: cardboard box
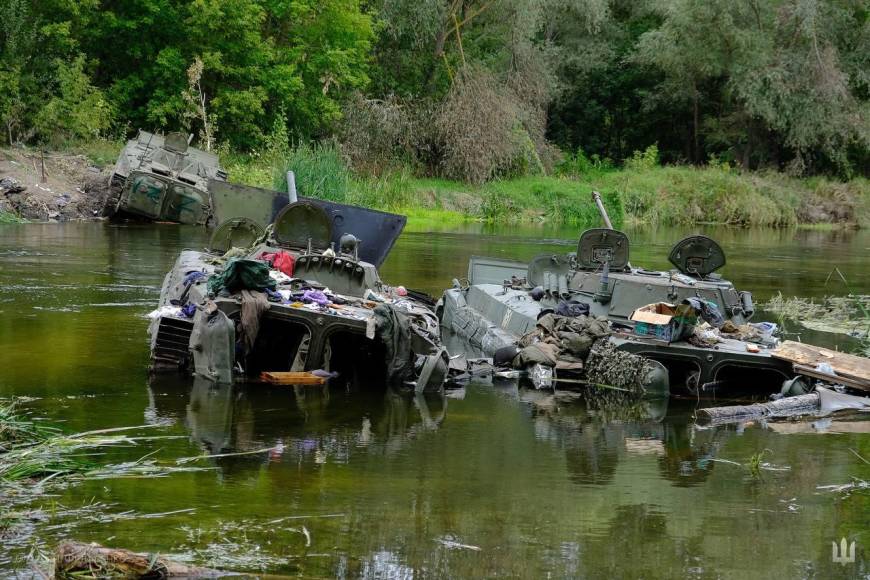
{"x":664,"y":321}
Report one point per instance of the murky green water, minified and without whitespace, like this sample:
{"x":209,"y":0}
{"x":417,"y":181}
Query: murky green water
{"x":490,"y":481}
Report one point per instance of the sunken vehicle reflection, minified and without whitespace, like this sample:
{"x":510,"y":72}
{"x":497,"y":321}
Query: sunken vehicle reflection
{"x":302,"y":423}
{"x":597,"y":431}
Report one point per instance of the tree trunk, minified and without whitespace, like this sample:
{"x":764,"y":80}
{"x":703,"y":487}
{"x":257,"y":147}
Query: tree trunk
{"x":100,"y":562}
{"x":785,"y":406}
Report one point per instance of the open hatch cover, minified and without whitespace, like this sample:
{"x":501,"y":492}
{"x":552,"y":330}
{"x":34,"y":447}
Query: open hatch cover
{"x":377,"y":230}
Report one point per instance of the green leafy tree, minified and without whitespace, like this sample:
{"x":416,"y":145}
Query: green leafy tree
{"x":78,"y":111}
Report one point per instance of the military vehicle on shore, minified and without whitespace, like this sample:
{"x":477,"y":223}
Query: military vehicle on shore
{"x":502,"y":301}
{"x":163,"y":178}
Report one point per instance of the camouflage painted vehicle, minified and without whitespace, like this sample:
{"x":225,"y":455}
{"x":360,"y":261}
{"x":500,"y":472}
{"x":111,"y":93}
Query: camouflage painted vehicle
{"x":502,"y":301}
{"x":162,"y":178}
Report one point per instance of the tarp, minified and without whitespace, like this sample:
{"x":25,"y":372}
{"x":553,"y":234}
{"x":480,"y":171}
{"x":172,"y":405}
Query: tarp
{"x":241,"y":275}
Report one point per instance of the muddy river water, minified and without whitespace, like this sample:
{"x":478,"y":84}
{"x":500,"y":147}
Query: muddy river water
{"x":489,"y":481}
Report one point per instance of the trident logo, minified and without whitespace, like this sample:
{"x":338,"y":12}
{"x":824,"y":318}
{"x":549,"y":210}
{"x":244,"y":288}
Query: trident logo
{"x":845,"y":554}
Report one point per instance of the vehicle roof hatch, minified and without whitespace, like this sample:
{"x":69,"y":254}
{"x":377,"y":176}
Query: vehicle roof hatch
{"x":300,"y":222}
{"x":697,"y":256}
{"x":600,"y":245}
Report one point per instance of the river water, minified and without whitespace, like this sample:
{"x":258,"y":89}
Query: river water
{"x":489,"y":481}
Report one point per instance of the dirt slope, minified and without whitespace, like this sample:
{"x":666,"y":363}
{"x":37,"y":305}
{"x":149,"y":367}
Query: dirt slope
{"x":72,"y":188}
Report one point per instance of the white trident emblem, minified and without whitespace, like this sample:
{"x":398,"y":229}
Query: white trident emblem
{"x":843,"y":555}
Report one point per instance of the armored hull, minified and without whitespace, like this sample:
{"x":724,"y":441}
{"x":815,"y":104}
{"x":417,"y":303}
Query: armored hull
{"x":503,"y":301}
{"x":287,"y":305}
{"x":162,"y":178}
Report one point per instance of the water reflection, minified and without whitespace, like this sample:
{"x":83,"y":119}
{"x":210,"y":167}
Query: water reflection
{"x":597,"y":432}
{"x":394,"y":487}
{"x":316,"y":424}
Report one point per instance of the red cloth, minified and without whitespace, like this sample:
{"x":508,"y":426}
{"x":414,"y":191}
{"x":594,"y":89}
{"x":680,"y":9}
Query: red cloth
{"x":281,"y":261}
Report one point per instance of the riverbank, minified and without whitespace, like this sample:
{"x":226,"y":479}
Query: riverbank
{"x":646,"y":194}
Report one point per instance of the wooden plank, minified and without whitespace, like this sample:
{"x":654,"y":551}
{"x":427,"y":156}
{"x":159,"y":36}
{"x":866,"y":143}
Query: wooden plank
{"x":291,"y":378}
{"x":841,"y":379}
{"x":847,"y":365}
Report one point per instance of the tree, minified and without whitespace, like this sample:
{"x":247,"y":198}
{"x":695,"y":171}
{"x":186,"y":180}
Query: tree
{"x":78,"y":111}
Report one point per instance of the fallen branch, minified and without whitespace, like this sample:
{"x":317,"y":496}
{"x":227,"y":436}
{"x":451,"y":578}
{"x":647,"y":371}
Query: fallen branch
{"x":76,"y":559}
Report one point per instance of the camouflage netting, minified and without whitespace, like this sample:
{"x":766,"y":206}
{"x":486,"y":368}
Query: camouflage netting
{"x":580,"y":344}
{"x":606,"y":365}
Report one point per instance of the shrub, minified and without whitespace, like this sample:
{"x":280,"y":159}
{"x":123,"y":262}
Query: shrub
{"x":476,"y":125}
{"x":648,"y":159}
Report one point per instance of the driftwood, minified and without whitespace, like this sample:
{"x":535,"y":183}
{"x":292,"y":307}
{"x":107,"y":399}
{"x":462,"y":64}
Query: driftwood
{"x":96,"y":561}
{"x":786,"y":406}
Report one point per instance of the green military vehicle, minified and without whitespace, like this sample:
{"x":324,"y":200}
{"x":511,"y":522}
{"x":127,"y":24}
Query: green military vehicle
{"x":650,"y":313}
{"x":163,"y":178}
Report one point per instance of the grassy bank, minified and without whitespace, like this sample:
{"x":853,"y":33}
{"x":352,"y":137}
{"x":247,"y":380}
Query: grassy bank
{"x":641,"y":192}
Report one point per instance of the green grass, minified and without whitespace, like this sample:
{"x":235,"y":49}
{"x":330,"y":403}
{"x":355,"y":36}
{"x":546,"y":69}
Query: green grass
{"x":100,"y":152}
{"x":11,"y":218}
{"x":537,"y":198}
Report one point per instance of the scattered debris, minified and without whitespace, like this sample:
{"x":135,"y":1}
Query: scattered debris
{"x":833,"y":366}
{"x":71,"y":190}
{"x":292,"y":378}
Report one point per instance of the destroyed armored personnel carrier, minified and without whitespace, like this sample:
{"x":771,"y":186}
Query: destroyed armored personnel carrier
{"x":163,"y":178}
{"x":651,"y":313}
{"x":302,"y":294}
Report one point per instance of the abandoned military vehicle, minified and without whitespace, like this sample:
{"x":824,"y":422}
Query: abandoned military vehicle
{"x":303,"y":294}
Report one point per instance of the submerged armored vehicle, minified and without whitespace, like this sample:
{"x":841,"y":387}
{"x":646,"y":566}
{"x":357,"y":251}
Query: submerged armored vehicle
{"x":303,"y":294}
{"x":163,"y":178}
{"x":651,"y":313}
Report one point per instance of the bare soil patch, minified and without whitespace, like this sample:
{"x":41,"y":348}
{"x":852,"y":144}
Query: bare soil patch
{"x":72,"y":187}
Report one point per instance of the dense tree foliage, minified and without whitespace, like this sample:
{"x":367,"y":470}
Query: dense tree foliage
{"x":465,"y":88}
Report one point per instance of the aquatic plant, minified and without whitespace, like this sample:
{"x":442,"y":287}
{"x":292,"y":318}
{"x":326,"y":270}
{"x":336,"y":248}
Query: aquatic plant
{"x":32,"y":450}
{"x":839,"y":314}
{"x":755,"y":462}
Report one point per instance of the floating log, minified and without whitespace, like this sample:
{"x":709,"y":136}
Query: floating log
{"x":291,"y":378}
{"x":785,"y":406}
{"x":849,"y":367}
{"x":95,"y":561}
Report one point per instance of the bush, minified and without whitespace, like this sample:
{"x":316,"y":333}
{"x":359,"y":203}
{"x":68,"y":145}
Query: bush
{"x":376,"y":135}
{"x":648,"y":159}
{"x":476,"y":126}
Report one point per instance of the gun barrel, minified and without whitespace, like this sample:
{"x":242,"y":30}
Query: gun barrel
{"x":597,"y":198}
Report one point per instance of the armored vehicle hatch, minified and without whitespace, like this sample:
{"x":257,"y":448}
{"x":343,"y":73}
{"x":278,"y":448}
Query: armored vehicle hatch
{"x":325,"y":222}
{"x":697,"y":256}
